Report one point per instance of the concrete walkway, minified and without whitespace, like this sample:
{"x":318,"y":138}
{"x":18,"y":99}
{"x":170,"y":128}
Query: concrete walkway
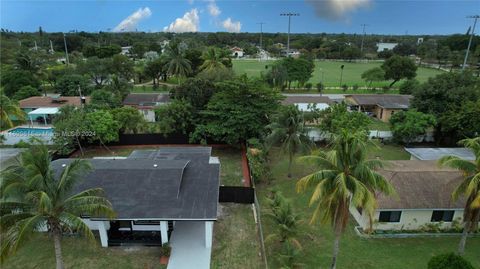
{"x":188,"y":246}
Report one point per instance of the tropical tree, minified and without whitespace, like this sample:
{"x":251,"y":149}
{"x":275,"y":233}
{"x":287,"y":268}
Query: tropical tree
{"x":7,"y":109}
{"x":176,"y":63}
{"x":345,"y":178}
{"x":214,"y":59}
{"x":470,"y":187}
{"x":32,"y":198}
{"x":288,"y":129}
{"x":285,"y":219}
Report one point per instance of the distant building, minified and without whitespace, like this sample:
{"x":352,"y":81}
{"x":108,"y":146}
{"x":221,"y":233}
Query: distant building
{"x":146,"y":103}
{"x":419,"y":40}
{"x":385,"y":46}
{"x":437,"y":153}
{"x":308,"y":103}
{"x":42,"y":109}
{"x":126,"y":50}
{"x":291,"y":53}
{"x":150,"y":55}
{"x":237,"y":52}
{"x":381,"y":106}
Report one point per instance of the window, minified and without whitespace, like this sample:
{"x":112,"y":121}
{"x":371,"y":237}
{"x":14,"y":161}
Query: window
{"x":442,"y":215}
{"x":390,"y":216}
{"x":146,"y":222}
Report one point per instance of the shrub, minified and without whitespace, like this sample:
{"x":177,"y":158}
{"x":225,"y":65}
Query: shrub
{"x":344,"y":87}
{"x":165,"y":250}
{"x":320,"y":87}
{"x":355,"y":87}
{"x":257,"y":159}
{"x":449,"y":261}
{"x":308,"y":86}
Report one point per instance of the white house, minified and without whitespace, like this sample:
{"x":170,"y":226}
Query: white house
{"x":126,"y":50}
{"x":423,"y":197}
{"x":385,"y":46}
{"x":237,"y":52}
{"x":146,"y":103}
{"x":154,"y":192}
{"x":307,"y":103}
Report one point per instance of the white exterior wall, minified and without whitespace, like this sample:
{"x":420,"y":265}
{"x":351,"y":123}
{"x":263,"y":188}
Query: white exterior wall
{"x":148,"y":114}
{"x":411,"y":219}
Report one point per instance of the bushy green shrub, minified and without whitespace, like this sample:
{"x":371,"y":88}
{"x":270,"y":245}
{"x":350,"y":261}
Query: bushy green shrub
{"x":449,"y":261}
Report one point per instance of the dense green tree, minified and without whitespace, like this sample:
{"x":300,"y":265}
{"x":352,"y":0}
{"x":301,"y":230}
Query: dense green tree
{"x":97,"y":69}
{"x":405,"y":49}
{"x":299,"y":70}
{"x":469,"y":188}
{"x":103,"y":99}
{"x":25,"y":92}
{"x":277,"y":75}
{"x":462,"y":121}
{"x":409,"y":86}
{"x":344,"y":178}
{"x":122,"y":66}
{"x":103,"y":127}
{"x":195,"y":58}
{"x":449,"y":261}
{"x":8,"y":109}
{"x":28,"y":61}
{"x":398,"y":67}
{"x":196,"y":91}
{"x":71,"y":128}
{"x":119,"y":86}
{"x":70,"y":84}
{"x":106,"y":51}
{"x":337,"y":118}
{"x":13,"y":80}
{"x":289,"y":131}
{"x":155,"y":69}
{"x":175,"y":117}
{"x":373,"y":75}
{"x":129,"y":119}
{"x":35,"y":197}
{"x":138,"y":50}
{"x":408,"y":125}
{"x":239,"y":110}
{"x":443,"y":55}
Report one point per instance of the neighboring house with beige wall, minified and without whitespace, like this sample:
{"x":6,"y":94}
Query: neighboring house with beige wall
{"x":423,"y":197}
{"x":381,"y":106}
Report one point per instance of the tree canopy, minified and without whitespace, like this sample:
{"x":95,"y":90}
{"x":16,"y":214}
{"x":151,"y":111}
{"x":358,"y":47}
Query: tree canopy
{"x":399,"y":67}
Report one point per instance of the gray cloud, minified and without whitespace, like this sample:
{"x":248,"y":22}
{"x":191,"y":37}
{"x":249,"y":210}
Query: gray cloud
{"x":336,"y":9}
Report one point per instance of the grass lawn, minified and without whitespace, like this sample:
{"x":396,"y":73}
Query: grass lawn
{"x":329,"y":72}
{"x":355,"y":252}
{"x":148,"y":89}
{"x":388,"y":152}
{"x":78,"y":253}
{"x":230,"y":159}
{"x":235,"y":244}
{"x":379,"y":125}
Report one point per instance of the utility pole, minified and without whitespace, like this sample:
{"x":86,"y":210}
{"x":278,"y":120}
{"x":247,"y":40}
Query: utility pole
{"x":51,"y":47}
{"x":261,"y":33}
{"x":470,"y":41}
{"x":66,"y":50}
{"x":289,"y":21}
{"x":36,"y":47}
{"x":363,"y":36}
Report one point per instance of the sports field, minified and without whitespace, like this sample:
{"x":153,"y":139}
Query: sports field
{"x":329,"y":71}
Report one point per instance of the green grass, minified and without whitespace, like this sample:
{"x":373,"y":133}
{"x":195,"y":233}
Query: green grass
{"x":388,"y":152}
{"x":78,"y":253}
{"x":231,"y":166}
{"x":235,"y":244}
{"x":355,"y":252}
{"x":148,"y":89}
{"x":379,"y":125}
{"x":331,"y":72}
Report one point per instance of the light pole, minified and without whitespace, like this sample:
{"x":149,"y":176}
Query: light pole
{"x":66,"y":50}
{"x":363,"y":36}
{"x":470,"y":41}
{"x":261,"y":33}
{"x":289,"y":20}
{"x":341,"y":74}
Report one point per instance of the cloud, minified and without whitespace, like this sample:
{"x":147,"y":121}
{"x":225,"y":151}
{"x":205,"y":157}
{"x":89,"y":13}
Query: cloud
{"x":231,"y":26}
{"x":188,"y":23}
{"x":336,"y":9}
{"x":190,"y":2}
{"x":130,"y":23}
{"x":213,"y":9}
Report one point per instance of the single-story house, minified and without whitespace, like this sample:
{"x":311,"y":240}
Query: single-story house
{"x":291,"y":53}
{"x":42,"y":108}
{"x":126,"y":50}
{"x":382,"y":46}
{"x":423,"y":196}
{"x":381,"y":106}
{"x":237,"y":52}
{"x":437,"y":153}
{"x":146,"y":103}
{"x":307,"y":102}
{"x":153,"y":192}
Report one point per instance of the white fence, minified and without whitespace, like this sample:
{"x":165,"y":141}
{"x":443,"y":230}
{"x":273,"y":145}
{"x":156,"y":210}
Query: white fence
{"x":317,"y":135}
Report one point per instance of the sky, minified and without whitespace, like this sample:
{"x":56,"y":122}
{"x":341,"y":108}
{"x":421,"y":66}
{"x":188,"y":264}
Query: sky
{"x":315,"y":16}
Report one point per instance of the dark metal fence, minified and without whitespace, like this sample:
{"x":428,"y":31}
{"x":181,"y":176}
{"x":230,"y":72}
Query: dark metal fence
{"x":236,"y":194}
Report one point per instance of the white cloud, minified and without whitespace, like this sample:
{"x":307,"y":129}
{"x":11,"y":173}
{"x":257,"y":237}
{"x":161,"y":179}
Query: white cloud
{"x":130,"y":23}
{"x":231,"y":26}
{"x":188,"y":23}
{"x":213,"y":9}
{"x":336,"y":9}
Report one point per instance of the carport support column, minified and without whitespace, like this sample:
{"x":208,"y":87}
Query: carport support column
{"x":208,"y":233}
{"x":102,"y":230}
{"x":164,"y":231}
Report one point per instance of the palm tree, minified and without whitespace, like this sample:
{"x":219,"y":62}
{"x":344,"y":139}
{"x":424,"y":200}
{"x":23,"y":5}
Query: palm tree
{"x":213,"y":59}
{"x":33,"y":198}
{"x":288,"y":128}
{"x":470,"y":187}
{"x":7,"y":109}
{"x":177,"y":64}
{"x":345,"y":179}
{"x":286,"y":220}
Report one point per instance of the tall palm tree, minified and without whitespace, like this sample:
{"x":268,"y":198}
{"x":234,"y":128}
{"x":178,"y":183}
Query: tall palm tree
{"x":345,"y":178}
{"x":177,"y":64}
{"x":213,"y":59}
{"x":470,"y":187}
{"x":9,"y":108}
{"x":33,"y":198}
{"x":288,"y":129}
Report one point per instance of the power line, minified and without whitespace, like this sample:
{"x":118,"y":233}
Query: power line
{"x":471,"y":37}
{"x":289,"y":21}
{"x":363,"y":36}
{"x":261,"y":32}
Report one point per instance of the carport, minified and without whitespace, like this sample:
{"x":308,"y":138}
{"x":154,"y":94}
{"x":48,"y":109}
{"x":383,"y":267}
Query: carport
{"x":42,"y":112}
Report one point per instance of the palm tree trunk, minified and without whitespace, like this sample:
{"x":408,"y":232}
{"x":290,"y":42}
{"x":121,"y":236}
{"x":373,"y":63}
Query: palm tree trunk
{"x":463,"y":240}
{"x":79,"y":145}
{"x":336,"y":249}
{"x":58,"y":249}
{"x":290,"y":158}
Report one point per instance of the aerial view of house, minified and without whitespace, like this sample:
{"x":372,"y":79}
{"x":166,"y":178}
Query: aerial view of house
{"x":146,"y":103}
{"x":381,"y":106}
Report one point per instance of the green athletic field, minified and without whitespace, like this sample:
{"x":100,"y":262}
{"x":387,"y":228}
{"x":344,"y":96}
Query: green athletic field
{"x":330,"y":71}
